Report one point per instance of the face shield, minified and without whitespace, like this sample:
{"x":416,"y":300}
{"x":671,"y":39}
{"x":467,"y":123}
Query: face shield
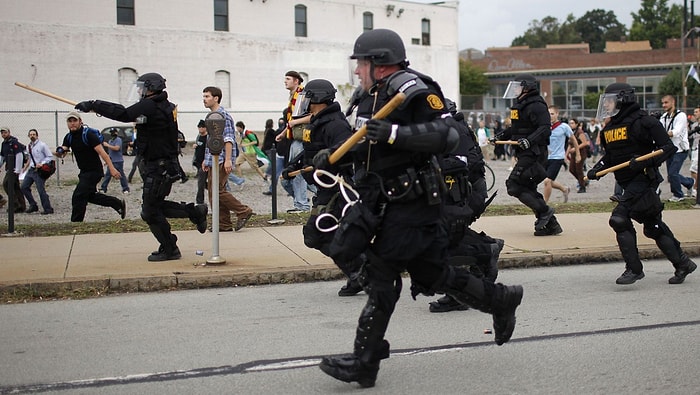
{"x":301,"y":107}
{"x":136,"y":93}
{"x":607,"y":106}
{"x":513,"y":90}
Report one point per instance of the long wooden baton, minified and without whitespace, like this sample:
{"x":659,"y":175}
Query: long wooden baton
{"x":506,"y":142}
{"x":626,"y":164}
{"x":360,"y":134}
{"x":45,"y":93}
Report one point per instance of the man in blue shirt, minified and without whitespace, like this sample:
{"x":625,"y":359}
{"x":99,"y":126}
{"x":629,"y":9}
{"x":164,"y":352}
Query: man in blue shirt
{"x":114,"y":149}
{"x":557,"y":151}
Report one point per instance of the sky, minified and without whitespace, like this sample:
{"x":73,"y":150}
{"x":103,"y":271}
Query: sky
{"x":495,"y":23}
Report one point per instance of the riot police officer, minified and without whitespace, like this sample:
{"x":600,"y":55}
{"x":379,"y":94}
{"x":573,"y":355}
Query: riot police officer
{"x":465,"y":200}
{"x":398,"y":220}
{"x":630,"y":133}
{"x":328,"y":128}
{"x":156,"y":126}
{"x":531,"y":128}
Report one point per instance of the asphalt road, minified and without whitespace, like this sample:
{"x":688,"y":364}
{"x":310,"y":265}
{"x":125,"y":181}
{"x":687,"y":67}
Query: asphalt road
{"x":578,"y":333}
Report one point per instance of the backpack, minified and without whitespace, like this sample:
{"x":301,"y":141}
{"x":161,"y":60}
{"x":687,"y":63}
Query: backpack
{"x":19,"y":148}
{"x":87,"y":130}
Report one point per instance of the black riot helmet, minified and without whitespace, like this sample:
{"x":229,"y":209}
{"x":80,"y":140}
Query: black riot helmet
{"x":616,"y":96}
{"x":315,"y":92}
{"x":381,"y":47}
{"x":520,"y":84}
{"x":149,"y":82}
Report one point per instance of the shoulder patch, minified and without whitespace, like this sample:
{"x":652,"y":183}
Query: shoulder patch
{"x":435,"y":102}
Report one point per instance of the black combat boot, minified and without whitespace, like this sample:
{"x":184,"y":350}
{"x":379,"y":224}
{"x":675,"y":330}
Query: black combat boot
{"x":682,"y":270}
{"x":351,"y":288}
{"x":553,"y":228}
{"x":349,"y":368}
{"x":445,"y":304}
{"x":198,"y":216}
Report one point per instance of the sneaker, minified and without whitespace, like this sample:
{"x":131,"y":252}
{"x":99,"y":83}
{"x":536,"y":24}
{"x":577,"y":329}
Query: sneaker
{"x":349,"y":368}
{"x":32,"y":209}
{"x":676,"y":199}
{"x":351,"y":288}
{"x":445,"y":304}
{"x":126,"y":192}
{"x":682,"y":272}
{"x":242,"y":221}
{"x":629,"y":277}
{"x":161,"y":256}
{"x":295,"y":211}
{"x":122,"y":209}
{"x":696,"y":206}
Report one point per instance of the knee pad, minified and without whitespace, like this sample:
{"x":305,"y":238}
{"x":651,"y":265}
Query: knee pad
{"x":513,"y":188}
{"x":620,"y":224}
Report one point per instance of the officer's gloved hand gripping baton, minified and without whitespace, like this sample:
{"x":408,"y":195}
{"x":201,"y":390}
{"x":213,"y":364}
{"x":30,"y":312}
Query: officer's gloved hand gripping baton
{"x":626,"y":164}
{"x":357,"y":136}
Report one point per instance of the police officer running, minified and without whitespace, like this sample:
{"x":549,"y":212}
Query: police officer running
{"x":156,"y":126}
{"x":399,"y":211}
{"x":531,"y":128}
{"x":328,"y":128}
{"x":630,"y":133}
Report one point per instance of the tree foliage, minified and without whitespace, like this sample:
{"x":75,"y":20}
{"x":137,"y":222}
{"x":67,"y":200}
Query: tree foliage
{"x":472,"y":80}
{"x":656,"y":22}
{"x":598,"y":26}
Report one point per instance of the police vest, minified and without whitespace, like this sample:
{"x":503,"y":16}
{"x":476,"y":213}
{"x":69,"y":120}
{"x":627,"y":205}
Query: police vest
{"x":520,"y":123}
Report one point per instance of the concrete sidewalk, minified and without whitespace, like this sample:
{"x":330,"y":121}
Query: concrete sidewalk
{"x":276,"y":254}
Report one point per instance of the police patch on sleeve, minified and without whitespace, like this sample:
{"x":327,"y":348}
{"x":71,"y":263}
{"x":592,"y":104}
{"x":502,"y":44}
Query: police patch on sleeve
{"x":435,"y":102}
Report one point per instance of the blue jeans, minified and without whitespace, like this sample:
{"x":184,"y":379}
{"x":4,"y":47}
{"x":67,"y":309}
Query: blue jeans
{"x":299,"y":186}
{"x":108,"y":177}
{"x":32,"y":177}
{"x":234,"y":179}
{"x":673,"y":167}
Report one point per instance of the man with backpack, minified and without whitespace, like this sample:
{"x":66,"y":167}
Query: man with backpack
{"x":86,"y":144}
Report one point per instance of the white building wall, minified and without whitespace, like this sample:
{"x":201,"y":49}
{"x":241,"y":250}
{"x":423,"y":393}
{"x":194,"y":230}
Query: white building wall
{"x":74,"y":49}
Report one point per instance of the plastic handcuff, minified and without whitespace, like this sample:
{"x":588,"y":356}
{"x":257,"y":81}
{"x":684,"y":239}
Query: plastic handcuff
{"x":344,"y":189}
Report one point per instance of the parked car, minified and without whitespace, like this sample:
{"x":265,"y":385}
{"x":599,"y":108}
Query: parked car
{"x":126,"y":133}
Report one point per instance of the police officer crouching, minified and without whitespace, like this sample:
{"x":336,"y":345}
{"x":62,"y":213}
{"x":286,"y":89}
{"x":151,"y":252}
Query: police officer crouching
{"x":629,"y":133}
{"x":530,"y":127}
{"x":328,"y":128}
{"x":400,"y":207}
{"x":156,"y":126}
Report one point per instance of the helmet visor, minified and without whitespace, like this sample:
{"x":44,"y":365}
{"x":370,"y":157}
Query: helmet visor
{"x":301,"y":107}
{"x":513,"y":90}
{"x":607,"y":106}
{"x":136,"y":93}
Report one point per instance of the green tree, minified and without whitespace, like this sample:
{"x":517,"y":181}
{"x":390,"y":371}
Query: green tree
{"x":656,"y":22}
{"x":540,"y":33}
{"x":673,"y":85}
{"x":472,"y":80}
{"x":598,"y":26}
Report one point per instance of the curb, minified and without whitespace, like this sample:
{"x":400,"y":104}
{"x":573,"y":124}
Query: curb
{"x":182,"y":281}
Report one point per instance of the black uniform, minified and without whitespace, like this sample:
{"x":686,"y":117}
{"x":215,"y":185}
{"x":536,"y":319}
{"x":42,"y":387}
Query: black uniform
{"x":629,"y":134}
{"x":400,"y":187}
{"x":90,"y":165}
{"x":465,"y":201}
{"x":157,"y":130}
{"x":531,"y":121}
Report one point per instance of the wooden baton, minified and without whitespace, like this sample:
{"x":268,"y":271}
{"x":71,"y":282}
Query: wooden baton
{"x":626,"y":164}
{"x":45,"y":93}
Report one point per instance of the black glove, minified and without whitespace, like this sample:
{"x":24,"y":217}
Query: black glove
{"x":321,"y":161}
{"x":287,"y":170}
{"x":591,"y":175}
{"x":524,"y":143}
{"x":378,"y":130}
{"x":85,"y":106}
{"x":636,"y":165}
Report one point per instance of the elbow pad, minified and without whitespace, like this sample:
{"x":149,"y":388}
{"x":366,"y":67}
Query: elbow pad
{"x":436,"y":137}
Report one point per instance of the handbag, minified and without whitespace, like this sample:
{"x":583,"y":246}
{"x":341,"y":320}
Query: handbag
{"x":46,"y":170}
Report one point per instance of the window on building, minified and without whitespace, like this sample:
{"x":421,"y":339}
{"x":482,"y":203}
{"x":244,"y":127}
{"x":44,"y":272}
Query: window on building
{"x":300,"y":20}
{"x":222,"y":80}
{"x":127,"y":76}
{"x":125,"y":12}
{"x":647,"y":91}
{"x":221,"y":15}
{"x":367,"y":21}
{"x":578,"y":98}
{"x":425,"y":31}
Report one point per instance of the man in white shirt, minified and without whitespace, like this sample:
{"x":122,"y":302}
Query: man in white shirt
{"x":676,"y":124}
{"x":39,"y":154}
